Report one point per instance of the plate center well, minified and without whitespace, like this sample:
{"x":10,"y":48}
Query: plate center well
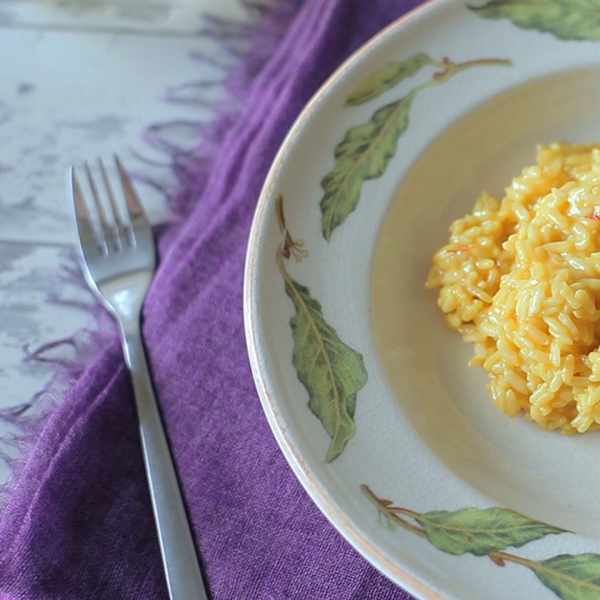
{"x":545,"y":475}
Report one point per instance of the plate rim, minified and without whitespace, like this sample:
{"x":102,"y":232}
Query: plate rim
{"x":326,"y":505}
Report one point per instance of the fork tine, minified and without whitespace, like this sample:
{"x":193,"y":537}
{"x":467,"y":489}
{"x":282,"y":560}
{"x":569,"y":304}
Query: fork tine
{"x":119,"y":228}
{"x":84,"y":222}
{"x":108,"y":230}
{"x":134,"y":206}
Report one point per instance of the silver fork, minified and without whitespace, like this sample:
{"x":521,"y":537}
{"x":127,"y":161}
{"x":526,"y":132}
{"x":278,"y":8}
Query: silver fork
{"x":118,"y":263}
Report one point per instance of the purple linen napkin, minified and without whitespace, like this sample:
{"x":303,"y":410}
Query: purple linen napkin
{"x":78,"y":524}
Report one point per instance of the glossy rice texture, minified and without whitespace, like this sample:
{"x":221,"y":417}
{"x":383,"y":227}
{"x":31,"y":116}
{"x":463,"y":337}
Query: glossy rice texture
{"x":520,"y":279}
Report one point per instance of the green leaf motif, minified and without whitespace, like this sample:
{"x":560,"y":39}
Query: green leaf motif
{"x":331,"y":371}
{"x":481,"y":531}
{"x":571,"y":577}
{"x":363,"y":154}
{"x":381,"y":81}
{"x":565,"y":19}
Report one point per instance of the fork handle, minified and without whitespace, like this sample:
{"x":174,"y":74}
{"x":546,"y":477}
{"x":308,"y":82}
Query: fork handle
{"x":180,"y":561}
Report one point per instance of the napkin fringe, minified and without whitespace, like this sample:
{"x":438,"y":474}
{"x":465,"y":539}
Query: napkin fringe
{"x":248,"y":46}
{"x":67,"y":358}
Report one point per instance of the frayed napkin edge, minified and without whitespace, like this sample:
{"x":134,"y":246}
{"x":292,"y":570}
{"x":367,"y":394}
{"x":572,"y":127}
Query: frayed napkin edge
{"x":248,"y":44}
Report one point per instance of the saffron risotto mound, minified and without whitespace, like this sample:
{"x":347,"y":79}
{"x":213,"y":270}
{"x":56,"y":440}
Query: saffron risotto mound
{"x":520,"y":278}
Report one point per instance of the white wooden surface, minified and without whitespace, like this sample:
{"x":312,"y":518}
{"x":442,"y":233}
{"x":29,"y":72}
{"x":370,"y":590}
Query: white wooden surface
{"x":79,"y":79}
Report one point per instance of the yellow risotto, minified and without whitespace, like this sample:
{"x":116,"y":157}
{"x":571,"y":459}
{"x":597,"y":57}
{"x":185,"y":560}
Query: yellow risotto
{"x":520,"y":278}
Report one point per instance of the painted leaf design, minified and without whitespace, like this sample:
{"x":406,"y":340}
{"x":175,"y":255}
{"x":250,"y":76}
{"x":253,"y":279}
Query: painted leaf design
{"x":481,"y":531}
{"x":381,"y":81}
{"x":331,"y":371}
{"x":565,"y":19}
{"x":571,"y":577}
{"x":364,"y":153}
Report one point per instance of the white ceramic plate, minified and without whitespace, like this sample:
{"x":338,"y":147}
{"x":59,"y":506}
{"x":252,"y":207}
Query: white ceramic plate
{"x":400,"y":432}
